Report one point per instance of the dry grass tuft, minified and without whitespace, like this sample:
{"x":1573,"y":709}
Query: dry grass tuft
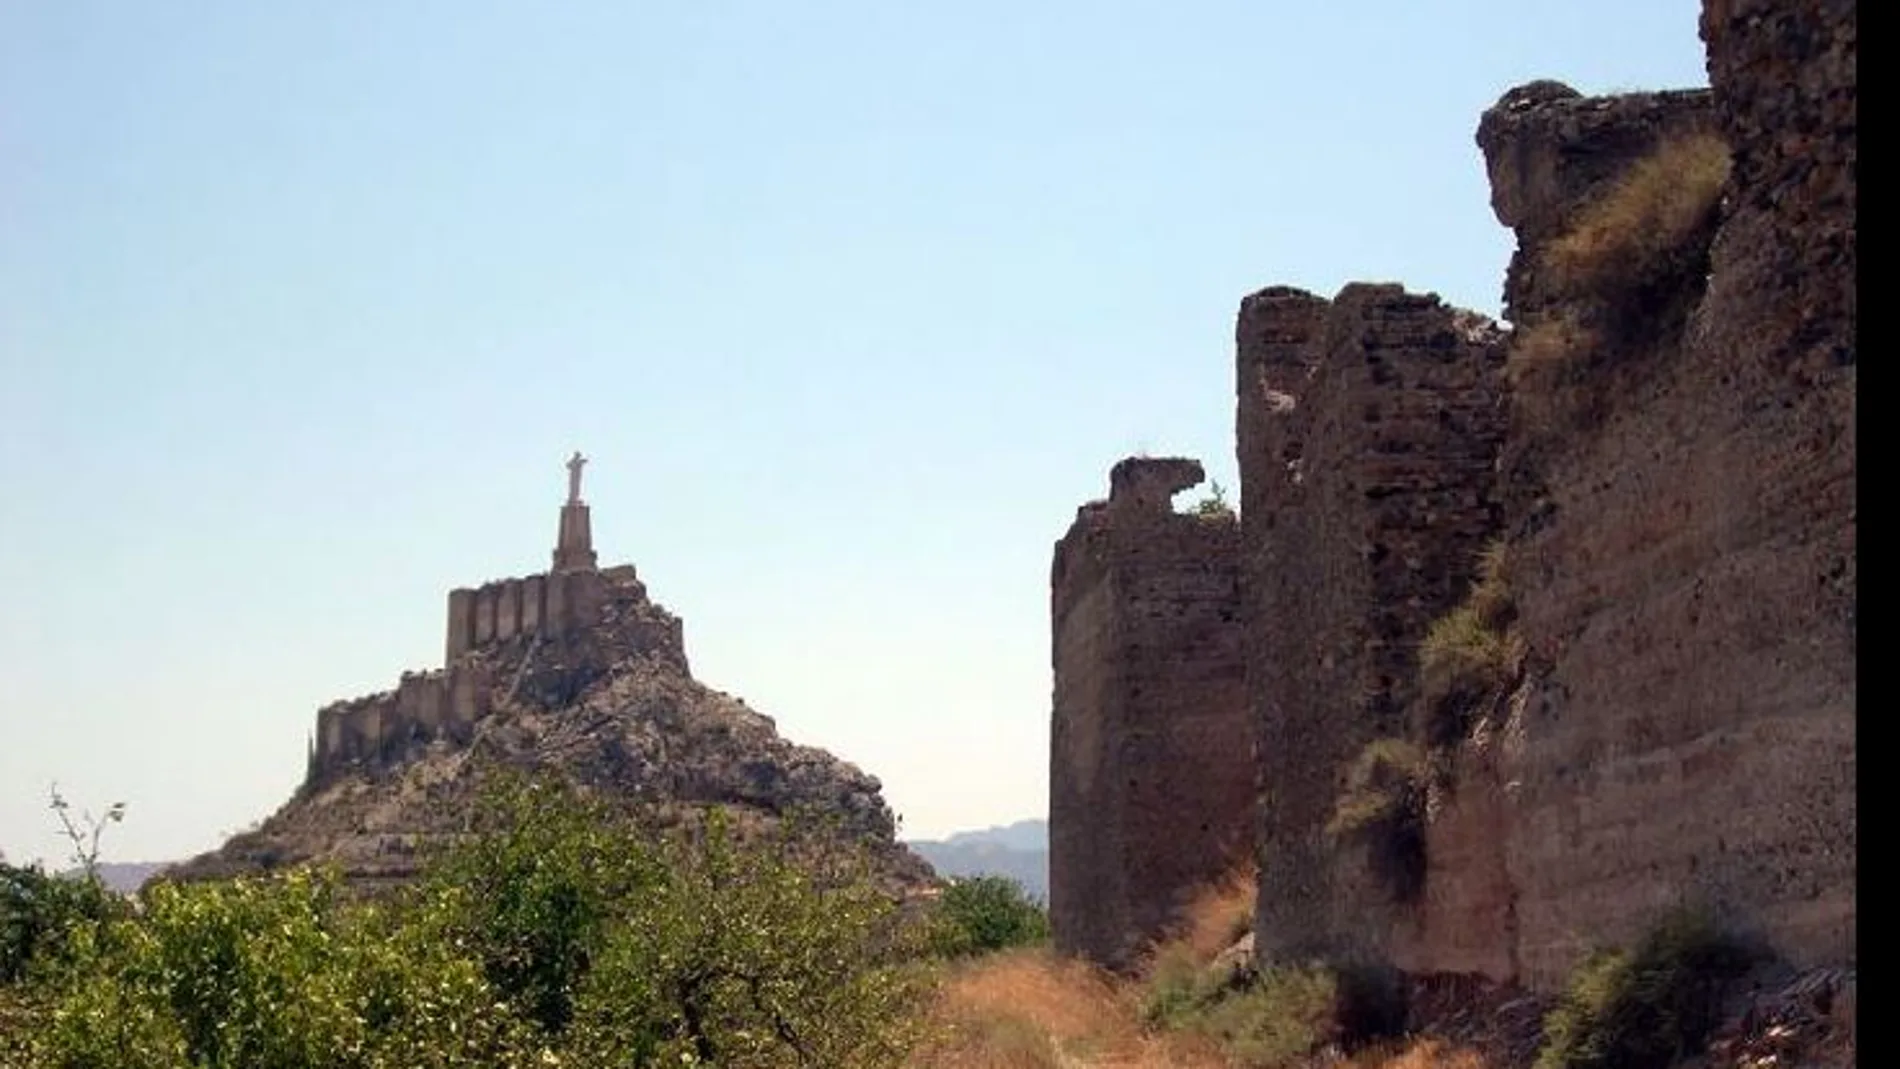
{"x":1552,"y":343}
{"x":1619,"y":282}
{"x":1219,"y":915}
{"x":1032,"y":1010}
{"x":1463,"y":654}
{"x":1473,"y":649}
{"x":1641,"y":222}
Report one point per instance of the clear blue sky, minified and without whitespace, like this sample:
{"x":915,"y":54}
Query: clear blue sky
{"x":851,"y":303}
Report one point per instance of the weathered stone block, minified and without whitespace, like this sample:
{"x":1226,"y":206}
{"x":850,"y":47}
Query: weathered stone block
{"x":534,"y":595}
{"x":508,"y":610}
{"x":461,"y":623}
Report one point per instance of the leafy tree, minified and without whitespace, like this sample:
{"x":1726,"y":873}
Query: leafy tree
{"x":270,"y":973}
{"x":533,"y":891}
{"x":555,"y":933}
{"x":38,"y":913}
{"x":769,"y":950}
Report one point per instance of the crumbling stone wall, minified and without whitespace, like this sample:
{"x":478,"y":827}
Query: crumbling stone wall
{"x":1368,"y":434}
{"x":1151,"y":771}
{"x":1687,"y":579}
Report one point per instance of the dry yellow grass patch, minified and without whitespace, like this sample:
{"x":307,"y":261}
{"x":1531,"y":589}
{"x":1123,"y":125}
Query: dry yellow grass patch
{"x":1644,"y":217}
{"x":1031,"y":1010}
{"x":1219,"y":914}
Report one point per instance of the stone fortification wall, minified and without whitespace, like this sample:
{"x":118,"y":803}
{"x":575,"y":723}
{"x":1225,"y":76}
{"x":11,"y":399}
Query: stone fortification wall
{"x":532,"y":639}
{"x":382,"y":728}
{"x":1151,"y":772}
{"x":1687,"y":580}
{"x":1661,"y":450}
{"x":553,"y":603}
{"x":1368,"y":433}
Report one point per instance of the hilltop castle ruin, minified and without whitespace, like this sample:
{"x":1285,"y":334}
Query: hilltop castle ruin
{"x":484,"y":626}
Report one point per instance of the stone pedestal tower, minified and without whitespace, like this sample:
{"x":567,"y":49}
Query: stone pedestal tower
{"x":574,"y":548}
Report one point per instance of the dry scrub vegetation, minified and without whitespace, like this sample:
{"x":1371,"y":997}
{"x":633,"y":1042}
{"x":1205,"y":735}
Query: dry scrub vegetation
{"x":1644,"y":219}
{"x":1471,"y":650}
{"x":1184,"y":1009}
{"x":1614,"y":277}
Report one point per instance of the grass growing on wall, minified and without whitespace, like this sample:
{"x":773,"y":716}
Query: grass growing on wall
{"x":1639,"y":225}
{"x":1619,"y":281}
{"x":1471,"y":651}
{"x":1645,"y":1007}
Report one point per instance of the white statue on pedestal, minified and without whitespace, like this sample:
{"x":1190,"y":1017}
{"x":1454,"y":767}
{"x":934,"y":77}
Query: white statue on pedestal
{"x":574,"y":465}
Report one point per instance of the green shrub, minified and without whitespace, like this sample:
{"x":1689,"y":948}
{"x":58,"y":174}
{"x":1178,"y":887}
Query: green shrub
{"x":1644,"y":1008}
{"x":1383,"y":807}
{"x":1276,"y":1015}
{"x":776,"y":950}
{"x":38,"y":913}
{"x":267,"y":974}
{"x":1178,"y":988}
{"x":555,"y":934}
{"x":982,"y":914}
{"x":533,"y":892}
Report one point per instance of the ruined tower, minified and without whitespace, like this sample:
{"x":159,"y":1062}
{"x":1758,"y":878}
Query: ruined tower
{"x":1151,"y":765}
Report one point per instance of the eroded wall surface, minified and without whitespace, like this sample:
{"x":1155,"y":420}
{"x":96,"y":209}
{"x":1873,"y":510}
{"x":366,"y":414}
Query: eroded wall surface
{"x":1691,"y":590}
{"x":1369,"y":428}
{"x":1151,"y":771}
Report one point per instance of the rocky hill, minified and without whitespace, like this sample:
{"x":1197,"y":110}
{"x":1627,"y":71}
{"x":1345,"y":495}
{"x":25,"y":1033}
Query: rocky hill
{"x":597,"y":691}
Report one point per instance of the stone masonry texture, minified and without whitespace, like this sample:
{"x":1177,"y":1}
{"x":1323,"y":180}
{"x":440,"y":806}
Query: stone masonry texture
{"x":1690,"y":587}
{"x":1678,"y":725}
{"x":1368,"y":432}
{"x":1151,"y":769}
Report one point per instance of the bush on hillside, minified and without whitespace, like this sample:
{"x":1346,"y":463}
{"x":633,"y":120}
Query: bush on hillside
{"x":984,"y":914}
{"x":1267,"y":1018}
{"x":38,"y":911}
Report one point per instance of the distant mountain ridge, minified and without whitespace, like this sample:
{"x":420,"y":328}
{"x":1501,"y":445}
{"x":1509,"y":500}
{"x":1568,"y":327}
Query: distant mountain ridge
{"x":1019,"y":850}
